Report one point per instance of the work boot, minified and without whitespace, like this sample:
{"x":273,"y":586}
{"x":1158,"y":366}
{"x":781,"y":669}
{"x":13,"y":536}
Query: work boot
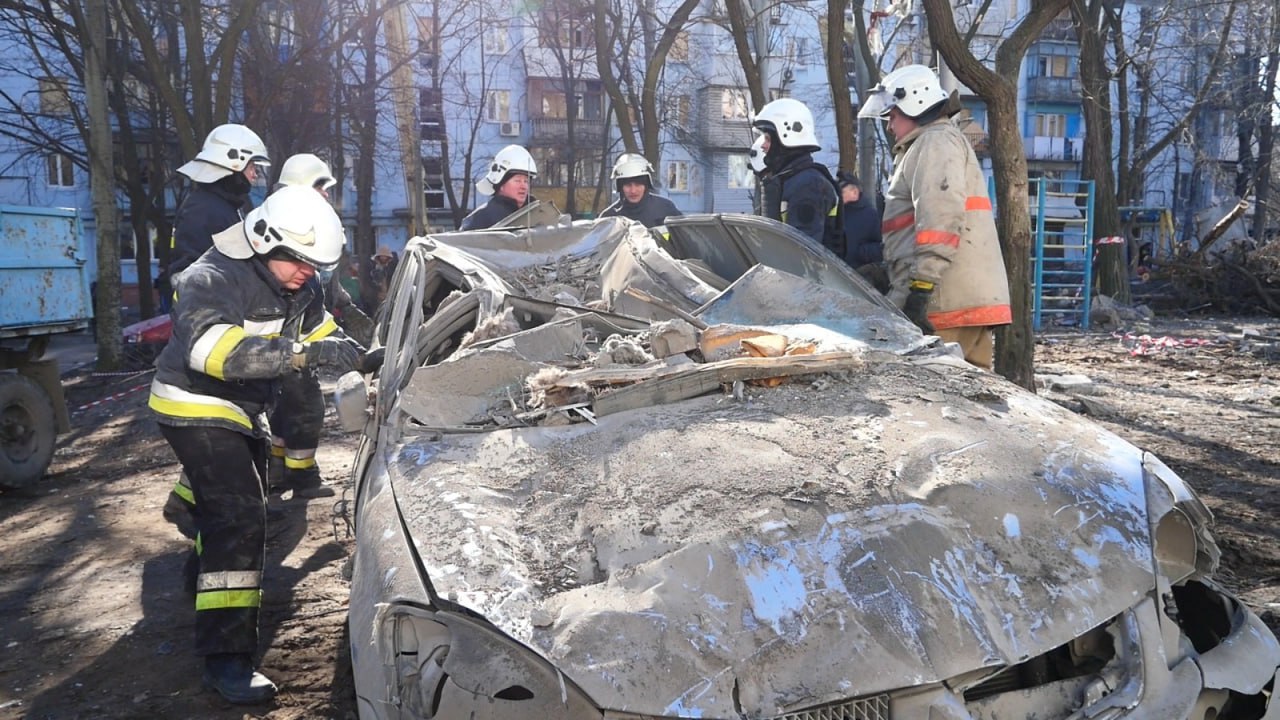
{"x":307,"y":483}
{"x":233,"y":676}
{"x":181,"y":514}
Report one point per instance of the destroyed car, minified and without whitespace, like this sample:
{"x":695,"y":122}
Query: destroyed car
{"x":707,"y":472}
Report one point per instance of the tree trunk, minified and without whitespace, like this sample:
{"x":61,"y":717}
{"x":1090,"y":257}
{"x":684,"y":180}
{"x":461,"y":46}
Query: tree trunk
{"x":846,"y":124}
{"x":1263,"y":209}
{"x":102,"y":186}
{"x":366,"y":147}
{"x":1111,"y":266}
{"x":1015,"y":343}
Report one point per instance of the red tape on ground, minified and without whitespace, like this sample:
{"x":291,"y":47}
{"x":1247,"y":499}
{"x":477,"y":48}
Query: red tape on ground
{"x":109,"y":398}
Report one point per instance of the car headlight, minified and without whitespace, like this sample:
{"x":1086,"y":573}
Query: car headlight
{"x":1180,"y":524}
{"x":447,"y":665}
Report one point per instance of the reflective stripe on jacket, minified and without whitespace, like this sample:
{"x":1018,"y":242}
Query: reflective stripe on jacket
{"x":233,"y":331}
{"x":938,"y":226}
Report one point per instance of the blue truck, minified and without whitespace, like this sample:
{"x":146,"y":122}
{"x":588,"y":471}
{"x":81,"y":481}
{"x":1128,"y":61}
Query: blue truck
{"x":44,"y":292}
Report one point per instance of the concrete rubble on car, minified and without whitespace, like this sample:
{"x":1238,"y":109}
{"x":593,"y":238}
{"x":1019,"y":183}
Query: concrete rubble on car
{"x":704,"y":475}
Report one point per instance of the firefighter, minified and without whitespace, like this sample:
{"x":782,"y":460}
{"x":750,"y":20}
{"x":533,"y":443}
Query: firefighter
{"x":244,"y":317}
{"x":633,"y":179}
{"x":940,"y":243}
{"x":507,"y":180}
{"x":222,"y":174}
{"x":797,"y":190}
{"x":299,"y":415}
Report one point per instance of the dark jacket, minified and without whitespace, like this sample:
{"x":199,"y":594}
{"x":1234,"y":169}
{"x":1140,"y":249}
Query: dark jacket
{"x":490,"y":213}
{"x":208,"y":210}
{"x":800,"y":194}
{"x":862,"y":232}
{"x":651,"y":211}
{"x":233,"y":330}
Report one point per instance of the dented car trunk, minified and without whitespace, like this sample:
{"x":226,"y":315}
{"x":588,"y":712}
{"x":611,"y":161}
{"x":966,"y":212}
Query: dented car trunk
{"x":612,"y":473}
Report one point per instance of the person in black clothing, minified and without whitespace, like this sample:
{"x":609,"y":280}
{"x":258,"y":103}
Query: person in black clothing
{"x":863,"y":249}
{"x":797,"y":191}
{"x":633,"y":177}
{"x":245,"y":316}
{"x":508,"y":181}
{"x":222,"y":174}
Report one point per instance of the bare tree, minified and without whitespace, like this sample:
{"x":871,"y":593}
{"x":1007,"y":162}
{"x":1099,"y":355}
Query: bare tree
{"x":999,"y":90}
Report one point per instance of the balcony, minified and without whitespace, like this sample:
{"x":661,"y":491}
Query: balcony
{"x":1054,"y":90}
{"x":1062,"y":149}
{"x":555,"y":131}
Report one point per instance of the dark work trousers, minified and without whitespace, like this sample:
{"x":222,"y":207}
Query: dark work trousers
{"x":299,"y":417}
{"x":227,"y":470}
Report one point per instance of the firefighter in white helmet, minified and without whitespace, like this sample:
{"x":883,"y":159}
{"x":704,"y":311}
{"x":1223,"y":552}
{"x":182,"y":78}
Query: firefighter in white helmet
{"x":633,"y":178}
{"x":222,"y":174}
{"x":244,"y":317}
{"x":940,"y":243}
{"x":507,"y":180}
{"x":797,"y":190}
{"x":298,"y":419}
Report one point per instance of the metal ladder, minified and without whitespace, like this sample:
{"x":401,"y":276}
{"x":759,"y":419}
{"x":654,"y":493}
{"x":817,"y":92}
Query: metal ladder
{"x":1062,"y":259}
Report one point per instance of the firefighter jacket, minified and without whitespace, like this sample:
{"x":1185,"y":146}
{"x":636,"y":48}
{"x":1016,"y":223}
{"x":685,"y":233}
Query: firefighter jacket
{"x":800,"y":194}
{"x":938,"y":228}
{"x":234,"y":327}
{"x":490,"y":213}
{"x":651,"y":211}
{"x":209,"y":209}
{"x":862,"y":244}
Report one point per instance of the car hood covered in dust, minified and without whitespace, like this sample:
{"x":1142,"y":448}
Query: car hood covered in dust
{"x":729,"y":556}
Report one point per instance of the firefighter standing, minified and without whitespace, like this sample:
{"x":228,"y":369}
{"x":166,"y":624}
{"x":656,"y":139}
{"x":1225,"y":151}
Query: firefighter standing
{"x":299,"y":416}
{"x":244,"y":317}
{"x":222,"y":174}
{"x":507,"y":180}
{"x":797,"y":190}
{"x":633,"y":178}
{"x":940,"y":241}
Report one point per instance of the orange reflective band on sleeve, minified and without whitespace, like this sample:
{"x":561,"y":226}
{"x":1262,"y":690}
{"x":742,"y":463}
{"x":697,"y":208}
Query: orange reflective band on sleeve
{"x":898,"y":222}
{"x":937,"y":237}
{"x":973,"y":317}
{"x":977,"y":202}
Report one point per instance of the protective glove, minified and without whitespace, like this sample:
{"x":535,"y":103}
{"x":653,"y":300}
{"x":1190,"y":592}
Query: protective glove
{"x":371,"y":361}
{"x":875,"y":274}
{"x":917,"y":306}
{"x":338,"y":353}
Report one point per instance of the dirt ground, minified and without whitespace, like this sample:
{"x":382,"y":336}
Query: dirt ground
{"x":95,"y":624}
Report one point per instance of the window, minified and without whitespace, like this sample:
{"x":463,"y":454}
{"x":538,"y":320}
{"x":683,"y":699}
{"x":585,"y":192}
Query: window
{"x":427,"y":35}
{"x":678,"y":176}
{"x":739,"y":172}
{"x":1050,"y":125}
{"x":1054,"y":66}
{"x":54,"y":97}
{"x":684,"y":108}
{"x":680,"y":48}
{"x":799,"y":50}
{"x":497,"y":106}
{"x":495,"y":40}
{"x":61,"y":171}
{"x":733,"y":104}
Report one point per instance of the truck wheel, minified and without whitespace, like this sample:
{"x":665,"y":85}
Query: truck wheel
{"x":28,"y":431}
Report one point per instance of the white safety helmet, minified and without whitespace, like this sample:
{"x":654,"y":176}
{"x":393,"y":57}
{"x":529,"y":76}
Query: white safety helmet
{"x":629,"y":166}
{"x":913,"y":89}
{"x":306,"y":170}
{"x":790,"y":122}
{"x":510,"y":159}
{"x":755,"y":158}
{"x":294,"y":221}
{"x":228,"y":149}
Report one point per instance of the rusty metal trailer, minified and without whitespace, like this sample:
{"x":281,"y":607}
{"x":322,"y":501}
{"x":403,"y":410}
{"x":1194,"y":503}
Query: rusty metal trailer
{"x":44,"y":292}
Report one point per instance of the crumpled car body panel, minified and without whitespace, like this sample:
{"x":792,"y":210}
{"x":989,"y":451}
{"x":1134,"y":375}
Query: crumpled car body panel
{"x":905,"y":533}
